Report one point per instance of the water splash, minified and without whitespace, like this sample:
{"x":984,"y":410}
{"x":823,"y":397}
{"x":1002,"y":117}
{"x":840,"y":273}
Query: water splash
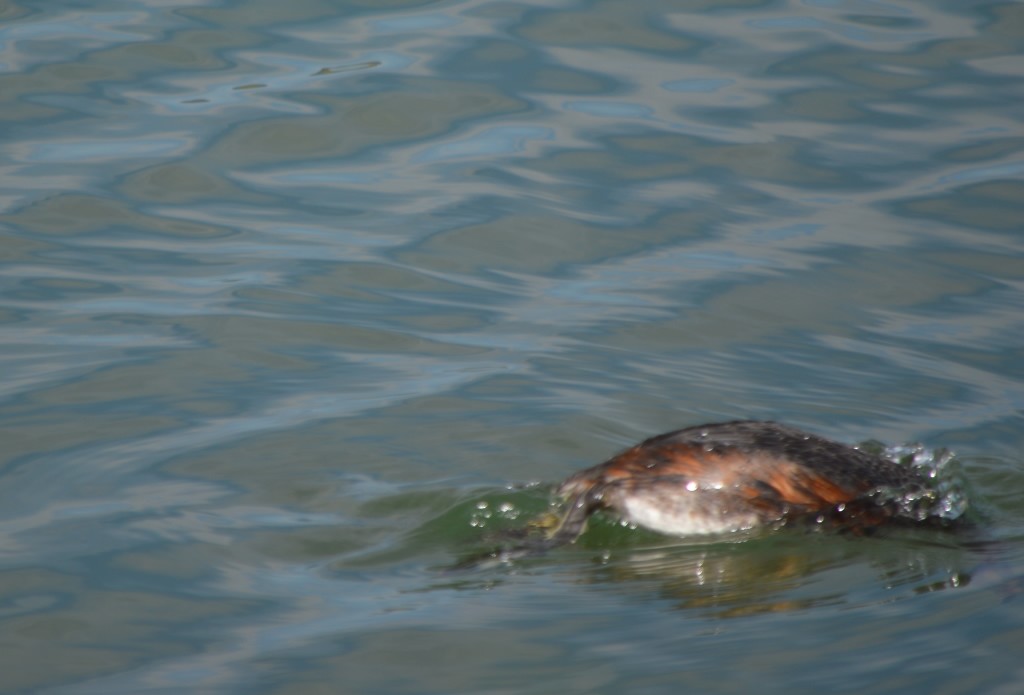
{"x":943,"y":496}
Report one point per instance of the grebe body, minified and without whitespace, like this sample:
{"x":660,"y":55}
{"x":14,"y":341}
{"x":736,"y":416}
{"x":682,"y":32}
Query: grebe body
{"x":734,"y":476}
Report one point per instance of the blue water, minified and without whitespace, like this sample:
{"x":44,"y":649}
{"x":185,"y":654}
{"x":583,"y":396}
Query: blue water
{"x":302,"y":303}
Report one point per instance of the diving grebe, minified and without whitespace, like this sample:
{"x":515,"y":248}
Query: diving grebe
{"x":741,"y":475}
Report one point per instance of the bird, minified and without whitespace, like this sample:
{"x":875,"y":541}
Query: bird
{"x":735,"y":476}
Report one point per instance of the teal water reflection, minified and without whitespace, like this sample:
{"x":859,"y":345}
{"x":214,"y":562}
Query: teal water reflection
{"x":302,"y":302}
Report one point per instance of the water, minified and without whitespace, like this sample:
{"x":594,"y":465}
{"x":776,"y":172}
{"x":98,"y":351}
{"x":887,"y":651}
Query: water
{"x":303,"y":302}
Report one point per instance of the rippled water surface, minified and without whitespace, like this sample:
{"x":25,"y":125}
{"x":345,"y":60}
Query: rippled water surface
{"x":302,"y":302}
